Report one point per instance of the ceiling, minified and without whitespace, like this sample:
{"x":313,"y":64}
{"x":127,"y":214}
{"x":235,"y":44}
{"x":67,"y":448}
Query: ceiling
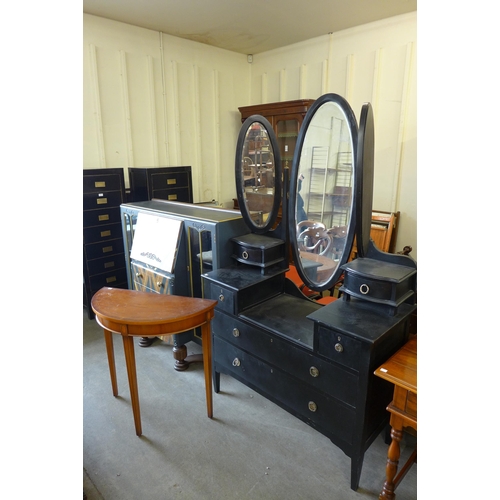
{"x":248,"y":26}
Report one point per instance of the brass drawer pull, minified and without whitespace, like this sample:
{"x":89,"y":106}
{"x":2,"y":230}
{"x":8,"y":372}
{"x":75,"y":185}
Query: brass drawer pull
{"x":314,"y":371}
{"x":159,"y":284}
{"x":339,"y":347}
{"x":138,"y":275}
{"x":236,"y":362}
{"x":236,"y":332}
{"x":100,"y":184}
{"x":105,"y":233}
{"x":111,"y":279}
{"x":171,"y":181}
{"x":312,"y":406}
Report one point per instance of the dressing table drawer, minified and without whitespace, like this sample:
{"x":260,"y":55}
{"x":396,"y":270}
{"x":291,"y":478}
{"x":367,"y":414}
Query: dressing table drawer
{"x":327,"y":377}
{"x":340,"y":348}
{"x":313,"y":407}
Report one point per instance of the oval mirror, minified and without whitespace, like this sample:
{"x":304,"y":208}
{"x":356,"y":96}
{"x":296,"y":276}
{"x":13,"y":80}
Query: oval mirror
{"x":322,"y":190}
{"x":258,"y":174}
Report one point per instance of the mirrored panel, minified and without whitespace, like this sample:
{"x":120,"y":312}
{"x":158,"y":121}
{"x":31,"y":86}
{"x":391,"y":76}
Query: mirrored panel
{"x":322,"y":192}
{"x":258,"y":174}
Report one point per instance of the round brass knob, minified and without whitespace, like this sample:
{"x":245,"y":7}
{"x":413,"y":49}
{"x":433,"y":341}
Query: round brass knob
{"x":236,"y":362}
{"x":312,"y":406}
{"x":236,"y":332}
{"x":339,"y":347}
{"x":314,"y":371}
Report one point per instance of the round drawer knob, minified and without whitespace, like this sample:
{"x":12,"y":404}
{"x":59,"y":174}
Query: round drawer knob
{"x":138,"y":275}
{"x":159,"y":284}
{"x":245,"y":254}
{"x":314,"y":371}
{"x":312,"y":406}
{"x":339,"y":347}
{"x":221,"y":297}
{"x":364,"y":288}
{"x":236,"y":332}
{"x":236,"y":362}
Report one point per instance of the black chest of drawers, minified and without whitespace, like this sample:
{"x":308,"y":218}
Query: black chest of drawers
{"x":314,"y":361}
{"x":162,"y":183}
{"x":103,"y":249}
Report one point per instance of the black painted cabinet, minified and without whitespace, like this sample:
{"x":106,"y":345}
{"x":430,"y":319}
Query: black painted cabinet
{"x":163,"y":183}
{"x":286,"y":348}
{"x":103,"y":250}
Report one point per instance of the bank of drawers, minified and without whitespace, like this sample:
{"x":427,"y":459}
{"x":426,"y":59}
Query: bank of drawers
{"x":314,"y":390}
{"x":164,"y":183}
{"x":103,"y":250}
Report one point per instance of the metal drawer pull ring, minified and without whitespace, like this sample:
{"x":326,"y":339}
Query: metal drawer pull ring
{"x":236,"y":362}
{"x":364,"y":289}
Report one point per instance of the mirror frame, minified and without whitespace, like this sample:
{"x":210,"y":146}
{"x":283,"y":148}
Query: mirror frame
{"x":239,"y":175}
{"x":292,"y":201}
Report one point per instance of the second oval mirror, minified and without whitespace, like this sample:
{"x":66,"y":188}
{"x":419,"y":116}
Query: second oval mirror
{"x":258,"y":174}
{"x":322,"y":191}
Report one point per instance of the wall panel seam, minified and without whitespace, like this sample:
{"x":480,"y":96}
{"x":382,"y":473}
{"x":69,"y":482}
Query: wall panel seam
{"x":97,"y":105}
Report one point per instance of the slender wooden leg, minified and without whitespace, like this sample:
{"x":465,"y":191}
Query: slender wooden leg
{"x":391,"y":466}
{"x":206,"y":340}
{"x":128,"y":346}
{"x":108,"y":338}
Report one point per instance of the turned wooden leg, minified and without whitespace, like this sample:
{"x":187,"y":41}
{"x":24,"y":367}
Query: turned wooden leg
{"x":206,"y":340}
{"x":391,"y":467}
{"x":108,"y":338}
{"x":128,"y":347}
{"x":180,"y":353}
{"x":146,"y":341}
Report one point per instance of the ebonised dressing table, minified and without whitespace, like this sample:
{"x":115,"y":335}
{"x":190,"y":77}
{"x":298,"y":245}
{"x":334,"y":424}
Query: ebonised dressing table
{"x":315,"y":361}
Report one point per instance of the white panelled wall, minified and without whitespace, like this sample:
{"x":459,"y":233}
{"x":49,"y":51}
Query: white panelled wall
{"x":152,"y":99}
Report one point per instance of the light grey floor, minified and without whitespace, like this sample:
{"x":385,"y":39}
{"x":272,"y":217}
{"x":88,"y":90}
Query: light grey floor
{"x":251,"y":449}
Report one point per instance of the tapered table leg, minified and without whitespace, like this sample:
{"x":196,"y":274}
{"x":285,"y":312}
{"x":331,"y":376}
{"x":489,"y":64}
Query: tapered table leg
{"x":108,"y":338}
{"x":206,"y":341}
{"x":128,"y":347}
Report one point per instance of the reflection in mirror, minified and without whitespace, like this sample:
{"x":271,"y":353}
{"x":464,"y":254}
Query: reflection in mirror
{"x":324,"y":196}
{"x":258,"y":184}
